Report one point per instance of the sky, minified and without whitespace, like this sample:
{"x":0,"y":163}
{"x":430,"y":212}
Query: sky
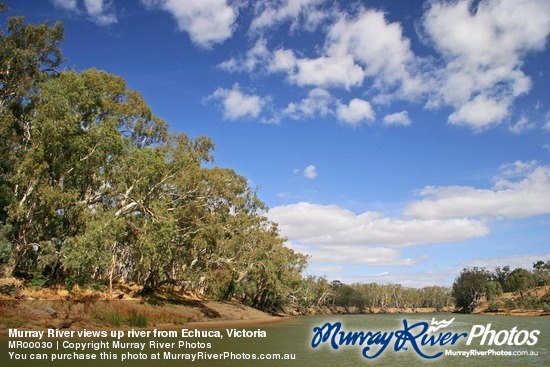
{"x":393,"y":141}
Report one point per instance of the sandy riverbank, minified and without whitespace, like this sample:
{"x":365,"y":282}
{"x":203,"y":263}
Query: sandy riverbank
{"x":126,"y":308}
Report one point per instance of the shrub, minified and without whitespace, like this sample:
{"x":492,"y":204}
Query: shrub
{"x":494,"y":306}
{"x":137,"y":319}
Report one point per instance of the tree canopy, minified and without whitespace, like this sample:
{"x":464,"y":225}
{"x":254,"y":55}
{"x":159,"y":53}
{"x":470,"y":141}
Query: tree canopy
{"x":95,"y":188}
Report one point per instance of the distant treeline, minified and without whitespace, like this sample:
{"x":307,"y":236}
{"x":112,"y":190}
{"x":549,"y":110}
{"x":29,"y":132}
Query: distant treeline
{"x":469,"y":290}
{"x":366,"y":297}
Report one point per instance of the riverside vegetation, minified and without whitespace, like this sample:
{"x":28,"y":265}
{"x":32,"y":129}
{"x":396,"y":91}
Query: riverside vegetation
{"x":96,"y":192}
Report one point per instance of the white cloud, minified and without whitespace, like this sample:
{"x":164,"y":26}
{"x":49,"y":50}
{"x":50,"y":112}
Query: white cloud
{"x":70,"y":5}
{"x":480,"y":112}
{"x":357,"y":111}
{"x":310,"y":172}
{"x":525,"y":197}
{"x":330,"y":234}
{"x":380,"y":47}
{"x":99,"y":11}
{"x":207,"y":21}
{"x":476,"y":69}
{"x":516,"y":169}
{"x":237,"y":104}
{"x":334,"y":226}
{"x":304,"y":13}
{"x":352,"y":255}
{"x":417,"y":279}
{"x":483,"y":51}
{"x":326,"y":269}
{"x":319,"y":101}
{"x":255,"y":57}
{"x":282,"y":60}
{"x":397,"y":119}
{"x":325,"y":71}
{"x":521,"y":126}
{"x":356,"y":47}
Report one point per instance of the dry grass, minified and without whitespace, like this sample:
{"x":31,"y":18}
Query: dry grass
{"x":86,"y":308}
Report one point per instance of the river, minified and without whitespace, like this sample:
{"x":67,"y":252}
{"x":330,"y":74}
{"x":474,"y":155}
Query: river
{"x":292,"y":339}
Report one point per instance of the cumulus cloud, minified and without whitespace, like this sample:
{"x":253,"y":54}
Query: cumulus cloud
{"x":520,"y":198}
{"x":356,"y":47}
{"x":66,"y":4}
{"x":354,"y":255}
{"x":207,"y":21}
{"x":324,"y":71}
{"x":521,"y":125}
{"x":100,"y":12}
{"x":237,"y":104}
{"x":480,"y":112}
{"x":331,"y":234}
{"x":483,"y":48}
{"x":310,"y":172}
{"x":301,"y":13}
{"x":397,"y":119}
{"x":476,"y":69}
{"x":356,"y":112}
{"x":334,"y":226}
{"x":319,"y":101}
{"x":256,"y":57}
{"x":379,"y":47}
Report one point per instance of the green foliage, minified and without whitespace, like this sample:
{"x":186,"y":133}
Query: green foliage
{"x":137,"y":319}
{"x":520,"y":280}
{"x":38,"y":281}
{"x":494,"y":306}
{"x":510,"y":304}
{"x":5,"y":244}
{"x":470,"y":287}
{"x":541,"y":273}
{"x":493,"y":290}
{"x":100,"y":191}
{"x":529,"y":302}
{"x":115,"y":319}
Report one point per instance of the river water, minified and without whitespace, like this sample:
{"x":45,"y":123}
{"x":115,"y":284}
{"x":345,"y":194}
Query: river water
{"x":293,"y":339}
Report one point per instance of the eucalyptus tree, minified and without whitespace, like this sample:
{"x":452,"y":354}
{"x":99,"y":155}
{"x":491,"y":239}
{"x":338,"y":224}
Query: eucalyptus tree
{"x":470,"y":288}
{"x":29,"y":54}
{"x":94,"y":187}
{"x":84,"y":126}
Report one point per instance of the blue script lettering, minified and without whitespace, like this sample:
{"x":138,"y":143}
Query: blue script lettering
{"x":414,"y":335}
{"x":337,"y":338}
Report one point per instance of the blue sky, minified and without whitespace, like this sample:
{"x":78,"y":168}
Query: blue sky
{"x":393,"y":141}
